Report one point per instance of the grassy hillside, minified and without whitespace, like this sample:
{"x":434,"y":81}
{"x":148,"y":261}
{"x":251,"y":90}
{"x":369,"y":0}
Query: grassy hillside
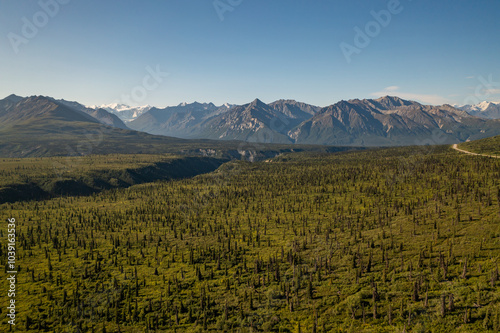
{"x":490,"y":146}
{"x":375,"y":241}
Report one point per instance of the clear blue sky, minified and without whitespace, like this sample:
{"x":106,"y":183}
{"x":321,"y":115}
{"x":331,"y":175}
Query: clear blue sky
{"x":96,"y":52}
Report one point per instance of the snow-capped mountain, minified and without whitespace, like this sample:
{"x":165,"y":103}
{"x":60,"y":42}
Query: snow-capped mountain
{"x":124,"y":112}
{"x":490,"y":110}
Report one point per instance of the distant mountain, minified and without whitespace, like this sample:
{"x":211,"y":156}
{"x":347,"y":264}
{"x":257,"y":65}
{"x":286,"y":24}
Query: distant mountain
{"x":7,"y":103}
{"x":181,"y":121}
{"x":38,"y":109}
{"x":490,"y":110}
{"x":256,"y":121}
{"x":386,"y":121}
{"x":124,"y":112}
{"x":391,"y":121}
{"x":100,"y":114}
{"x":253,"y":122}
{"x":293,"y":112}
{"x":42,"y":126}
{"x":13,"y":98}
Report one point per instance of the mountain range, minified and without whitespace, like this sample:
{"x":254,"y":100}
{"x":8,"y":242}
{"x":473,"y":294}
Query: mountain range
{"x":387,"y":121}
{"x":39,"y":126}
{"x":391,"y":121}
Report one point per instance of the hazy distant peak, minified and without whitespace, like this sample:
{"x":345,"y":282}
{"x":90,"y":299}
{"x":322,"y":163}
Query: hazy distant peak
{"x":227,"y":105}
{"x":394,"y":101}
{"x":197,"y":105}
{"x":14,"y":98}
{"x":257,"y":102}
{"x":290,"y":101}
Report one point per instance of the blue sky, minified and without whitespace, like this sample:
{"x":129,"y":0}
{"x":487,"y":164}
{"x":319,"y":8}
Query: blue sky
{"x":98,"y":52}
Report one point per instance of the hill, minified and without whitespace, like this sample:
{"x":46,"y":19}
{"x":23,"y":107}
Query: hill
{"x":489,"y":146}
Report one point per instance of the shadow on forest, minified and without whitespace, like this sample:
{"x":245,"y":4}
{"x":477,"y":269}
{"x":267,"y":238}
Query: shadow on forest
{"x":97,"y":181}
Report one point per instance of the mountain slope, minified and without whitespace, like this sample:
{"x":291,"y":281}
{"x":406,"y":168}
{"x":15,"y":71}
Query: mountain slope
{"x":180,"y":121}
{"x":391,"y":121}
{"x":38,"y":109}
{"x":100,"y":114}
{"x":253,"y":122}
{"x":40,"y":126}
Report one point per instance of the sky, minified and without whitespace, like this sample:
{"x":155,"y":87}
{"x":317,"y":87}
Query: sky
{"x":166,"y":52}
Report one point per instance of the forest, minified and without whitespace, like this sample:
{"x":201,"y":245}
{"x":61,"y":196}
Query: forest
{"x":384,"y":240}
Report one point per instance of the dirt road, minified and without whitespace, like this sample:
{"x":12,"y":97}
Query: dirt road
{"x":455,"y":146}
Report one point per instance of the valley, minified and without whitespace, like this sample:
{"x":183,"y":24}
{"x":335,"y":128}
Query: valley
{"x":384,"y":239}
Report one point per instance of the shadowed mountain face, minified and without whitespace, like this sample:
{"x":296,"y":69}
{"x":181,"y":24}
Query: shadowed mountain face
{"x":38,"y":109}
{"x":102,"y":115}
{"x":14,"y":109}
{"x":42,"y":126}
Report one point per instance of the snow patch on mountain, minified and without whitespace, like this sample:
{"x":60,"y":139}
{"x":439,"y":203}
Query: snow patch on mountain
{"x":124,"y":112}
{"x":485,"y":109}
